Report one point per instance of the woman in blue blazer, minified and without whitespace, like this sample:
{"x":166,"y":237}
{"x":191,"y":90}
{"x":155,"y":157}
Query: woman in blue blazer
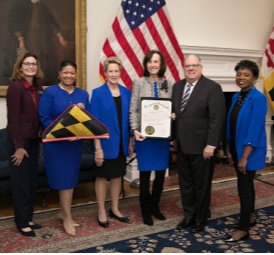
{"x":246,"y":141}
{"x":110,"y":105}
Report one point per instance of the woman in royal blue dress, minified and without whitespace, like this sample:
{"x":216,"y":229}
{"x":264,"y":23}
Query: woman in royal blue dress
{"x":152,"y":154}
{"x":63,"y":158}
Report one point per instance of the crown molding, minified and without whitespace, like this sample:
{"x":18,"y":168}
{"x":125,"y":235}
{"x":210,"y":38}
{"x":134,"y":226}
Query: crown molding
{"x":217,"y":51}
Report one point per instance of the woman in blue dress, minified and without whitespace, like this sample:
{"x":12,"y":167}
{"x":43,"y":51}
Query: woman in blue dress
{"x":63,"y":158}
{"x":152,"y":154}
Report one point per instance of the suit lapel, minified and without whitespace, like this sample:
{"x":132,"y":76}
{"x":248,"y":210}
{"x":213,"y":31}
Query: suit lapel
{"x":194,"y":93}
{"x":124,"y":103}
{"x":180,"y":94}
{"x":112,"y":107}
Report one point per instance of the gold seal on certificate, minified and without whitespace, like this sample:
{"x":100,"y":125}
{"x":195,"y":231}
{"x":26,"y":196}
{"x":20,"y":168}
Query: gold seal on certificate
{"x":156,"y":107}
{"x":149,"y":130}
{"x":155,"y":117}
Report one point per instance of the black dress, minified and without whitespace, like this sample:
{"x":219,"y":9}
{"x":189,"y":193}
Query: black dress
{"x":114,"y":168}
{"x":233,"y":124}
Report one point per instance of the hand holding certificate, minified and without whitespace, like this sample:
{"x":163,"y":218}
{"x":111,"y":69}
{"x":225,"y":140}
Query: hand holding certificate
{"x":155,"y":117}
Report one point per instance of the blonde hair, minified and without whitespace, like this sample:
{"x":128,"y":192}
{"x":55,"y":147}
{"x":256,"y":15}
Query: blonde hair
{"x":18,"y":75}
{"x":112,"y":60}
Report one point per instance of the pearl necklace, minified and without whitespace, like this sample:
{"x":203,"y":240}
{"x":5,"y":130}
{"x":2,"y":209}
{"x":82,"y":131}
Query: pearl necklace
{"x":69,"y":91}
{"x":115,"y":91}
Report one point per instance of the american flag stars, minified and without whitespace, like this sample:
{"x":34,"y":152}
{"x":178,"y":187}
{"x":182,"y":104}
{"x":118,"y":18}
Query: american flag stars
{"x":137,"y":12}
{"x":142,"y":25}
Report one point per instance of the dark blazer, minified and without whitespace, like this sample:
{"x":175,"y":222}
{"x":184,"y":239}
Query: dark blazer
{"x":23,"y":120}
{"x":250,"y":129}
{"x":202,"y":120}
{"x":103,"y":108}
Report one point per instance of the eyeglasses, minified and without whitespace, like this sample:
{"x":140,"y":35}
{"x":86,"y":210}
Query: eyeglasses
{"x":194,"y":66}
{"x":29,"y":64}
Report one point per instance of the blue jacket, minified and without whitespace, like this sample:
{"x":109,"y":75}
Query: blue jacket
{"x":250,"y":128}
{"x":103,"y":108}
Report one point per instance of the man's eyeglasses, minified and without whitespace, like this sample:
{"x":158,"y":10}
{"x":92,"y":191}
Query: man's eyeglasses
{"x":29,"y":64}
{"x":194,"y":66}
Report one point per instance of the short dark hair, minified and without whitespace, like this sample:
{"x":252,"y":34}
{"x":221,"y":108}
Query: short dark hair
{"x":248,"y":64}
{"x":65,"y":63}
{"x":148,"y":57}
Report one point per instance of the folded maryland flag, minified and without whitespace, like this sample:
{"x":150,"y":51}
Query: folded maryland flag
{"x":75,"y":122}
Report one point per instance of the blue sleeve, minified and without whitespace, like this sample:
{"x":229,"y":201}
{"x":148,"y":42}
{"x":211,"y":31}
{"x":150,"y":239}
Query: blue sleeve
{"x":86,"y":103}
{"x":257,"y":122}
{"x":129,"y":128}
{"x":95,"y":105}
{"x":46,"y":109}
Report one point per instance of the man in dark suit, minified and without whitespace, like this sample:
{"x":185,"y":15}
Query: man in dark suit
{"x":199,"y":106}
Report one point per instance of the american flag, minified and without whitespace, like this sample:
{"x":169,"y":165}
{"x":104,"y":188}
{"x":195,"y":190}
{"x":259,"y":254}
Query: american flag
{"x":141,"y":26}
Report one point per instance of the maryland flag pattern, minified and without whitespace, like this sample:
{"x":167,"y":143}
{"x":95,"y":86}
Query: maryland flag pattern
{"x":75,"y":122}
{"x":267,"y":73}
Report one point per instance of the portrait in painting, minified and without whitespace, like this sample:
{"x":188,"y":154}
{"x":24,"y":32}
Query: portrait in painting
{"x":43,"y":27}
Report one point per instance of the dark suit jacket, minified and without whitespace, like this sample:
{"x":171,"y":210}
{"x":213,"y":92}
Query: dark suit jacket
{"x":202,"y":120}
{"x":23,"y":120}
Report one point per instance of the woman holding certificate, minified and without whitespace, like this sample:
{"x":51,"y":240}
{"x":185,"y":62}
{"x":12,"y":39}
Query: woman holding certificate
{"x":152,"y":154}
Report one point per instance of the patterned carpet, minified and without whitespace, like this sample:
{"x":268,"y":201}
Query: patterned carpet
{"x":51,"y":238}
{"x":209,"y":241}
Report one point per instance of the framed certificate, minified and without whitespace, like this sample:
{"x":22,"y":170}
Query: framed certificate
{"x":155,"y":117}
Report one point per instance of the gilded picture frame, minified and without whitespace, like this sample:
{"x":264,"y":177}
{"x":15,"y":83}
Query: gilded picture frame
{"x":81,"y":43}
{"x":80,"y":47}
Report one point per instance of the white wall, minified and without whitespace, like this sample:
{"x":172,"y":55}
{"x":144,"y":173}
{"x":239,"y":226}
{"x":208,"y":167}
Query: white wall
{"x":100,"y":16}
{"x":240,"y":24}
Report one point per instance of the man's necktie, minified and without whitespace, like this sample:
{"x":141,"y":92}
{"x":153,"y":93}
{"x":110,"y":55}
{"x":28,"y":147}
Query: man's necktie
{"x":185,"y":97}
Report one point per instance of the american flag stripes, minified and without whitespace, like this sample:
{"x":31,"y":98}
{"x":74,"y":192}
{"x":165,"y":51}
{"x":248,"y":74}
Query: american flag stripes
{"x":140,"y":26}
